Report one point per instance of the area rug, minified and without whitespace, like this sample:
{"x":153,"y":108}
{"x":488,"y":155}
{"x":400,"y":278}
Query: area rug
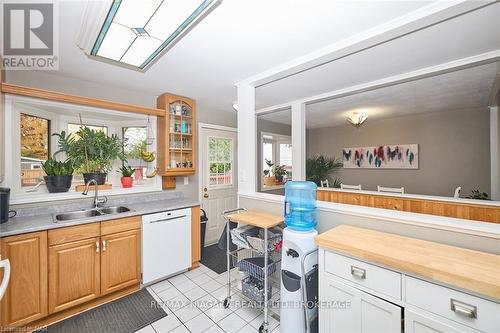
{"x":125,"y":315}
{"x":215,"y":259}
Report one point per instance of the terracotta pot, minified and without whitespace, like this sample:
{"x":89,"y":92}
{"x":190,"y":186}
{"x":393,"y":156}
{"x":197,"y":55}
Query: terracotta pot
{"x":127,"y":182}
{"x":269,"y":181}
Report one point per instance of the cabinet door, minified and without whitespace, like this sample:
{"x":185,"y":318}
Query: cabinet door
{"x":346,"y":309}
{"x":74,"y":273}
{"x":120,"y":261}
{"x":419,"y":323}
{"x":26,"y":297}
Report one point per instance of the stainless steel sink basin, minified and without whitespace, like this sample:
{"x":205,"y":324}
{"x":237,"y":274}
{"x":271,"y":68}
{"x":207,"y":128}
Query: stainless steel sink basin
{"x":114,"y":210}
{"x":78,"y":215}
{"x":81,"y":214}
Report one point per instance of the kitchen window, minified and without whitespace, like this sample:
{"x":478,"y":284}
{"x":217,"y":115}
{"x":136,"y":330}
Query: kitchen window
{"x":35,"y":147}
{"x":73,"y":128}
{"x":277,"y":149}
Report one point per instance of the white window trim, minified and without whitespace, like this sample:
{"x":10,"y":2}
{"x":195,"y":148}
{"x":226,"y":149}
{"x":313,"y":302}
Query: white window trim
{"x":19,"y":194}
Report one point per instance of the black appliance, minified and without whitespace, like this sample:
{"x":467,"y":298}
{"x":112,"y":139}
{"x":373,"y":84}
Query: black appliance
{"x":5,"y":213}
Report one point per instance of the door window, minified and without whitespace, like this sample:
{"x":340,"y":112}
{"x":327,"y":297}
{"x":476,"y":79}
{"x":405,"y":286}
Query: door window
{"x":220,"y":162}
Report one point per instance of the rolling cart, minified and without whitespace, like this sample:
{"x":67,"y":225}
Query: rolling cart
{"x":258,"y":238}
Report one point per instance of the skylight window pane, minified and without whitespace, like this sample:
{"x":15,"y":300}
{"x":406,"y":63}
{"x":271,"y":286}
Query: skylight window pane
{"x":140,"y":50}
{"x":136,"y":13}
{"x":116,"y":42}
{"x":170,"y":16}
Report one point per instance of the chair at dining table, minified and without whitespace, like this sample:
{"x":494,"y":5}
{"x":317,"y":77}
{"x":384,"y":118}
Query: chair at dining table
{"x":400,"y":190}
{"x":350,"y":187}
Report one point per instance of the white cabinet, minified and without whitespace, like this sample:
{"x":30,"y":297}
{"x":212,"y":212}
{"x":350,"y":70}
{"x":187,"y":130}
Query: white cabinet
{"x":420,"y":323}
{"x":347,"y":309}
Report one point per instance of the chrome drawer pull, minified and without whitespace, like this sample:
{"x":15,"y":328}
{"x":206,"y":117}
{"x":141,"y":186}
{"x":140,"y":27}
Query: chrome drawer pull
{"x":97,"y":247}
{"x":358,"y":272}
{"x":463,"y":309}
{"x":103,"y":245}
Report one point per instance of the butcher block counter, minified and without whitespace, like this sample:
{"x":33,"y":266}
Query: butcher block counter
{"x":467,"y":270}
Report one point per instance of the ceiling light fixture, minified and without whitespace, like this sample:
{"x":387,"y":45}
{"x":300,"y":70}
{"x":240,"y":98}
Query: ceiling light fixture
{"x":135,"y":33}
{"x":357,"y":119}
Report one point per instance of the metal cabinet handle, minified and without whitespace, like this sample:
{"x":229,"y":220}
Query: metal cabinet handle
{"x":97,"y":247}
{"x":358,"y":272}
{"x":103,"y":245}
{"x":463,"y":309}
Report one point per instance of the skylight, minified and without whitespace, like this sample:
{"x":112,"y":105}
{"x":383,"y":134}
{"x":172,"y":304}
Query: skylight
{"x":136,"y":32}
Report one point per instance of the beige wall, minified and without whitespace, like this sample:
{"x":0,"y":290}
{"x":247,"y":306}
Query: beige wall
{"x":454,"y":150}
{"x":95,"y":90}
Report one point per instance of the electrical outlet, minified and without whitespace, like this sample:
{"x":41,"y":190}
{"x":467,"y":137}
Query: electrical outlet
{"x":186,"y":180}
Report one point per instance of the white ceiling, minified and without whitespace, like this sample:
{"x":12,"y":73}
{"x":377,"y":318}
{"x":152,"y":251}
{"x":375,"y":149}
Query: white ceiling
{"x":238,"y":39}
{"x":465,"y":89}
{"x":463,"y":36}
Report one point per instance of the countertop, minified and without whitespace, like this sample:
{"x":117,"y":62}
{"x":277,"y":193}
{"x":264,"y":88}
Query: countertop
{"x":25,"y":224}
{"x":468,"y":270}
{"x":416,"y":196}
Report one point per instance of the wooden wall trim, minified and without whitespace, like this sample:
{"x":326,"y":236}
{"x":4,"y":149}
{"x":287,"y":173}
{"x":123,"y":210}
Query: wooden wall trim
{"x":9,"y":88}
{"x":467,"y":211}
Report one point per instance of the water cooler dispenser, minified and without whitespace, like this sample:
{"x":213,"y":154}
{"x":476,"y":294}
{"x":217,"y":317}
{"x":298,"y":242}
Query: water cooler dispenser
{"x":299,"y":260}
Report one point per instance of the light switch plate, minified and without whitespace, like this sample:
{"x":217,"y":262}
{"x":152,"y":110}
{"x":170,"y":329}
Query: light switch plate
{"x":186,"y":180}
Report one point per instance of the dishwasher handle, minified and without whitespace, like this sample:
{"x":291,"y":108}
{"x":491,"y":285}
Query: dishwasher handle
{"x":167,"y":219}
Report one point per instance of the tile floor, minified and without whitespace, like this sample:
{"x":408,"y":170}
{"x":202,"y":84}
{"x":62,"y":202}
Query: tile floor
{"x":193,"y":302}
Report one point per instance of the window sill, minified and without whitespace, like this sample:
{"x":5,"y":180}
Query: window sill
{"x":27,"y":198}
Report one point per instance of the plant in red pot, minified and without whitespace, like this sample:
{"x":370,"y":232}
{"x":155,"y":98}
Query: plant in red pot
{"x":127,"y":179}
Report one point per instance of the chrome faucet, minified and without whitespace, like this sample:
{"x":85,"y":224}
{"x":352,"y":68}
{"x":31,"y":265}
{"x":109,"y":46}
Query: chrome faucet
{"x":97,"y":201}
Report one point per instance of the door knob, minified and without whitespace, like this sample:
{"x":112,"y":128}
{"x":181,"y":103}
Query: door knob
{"x":205,"y":195}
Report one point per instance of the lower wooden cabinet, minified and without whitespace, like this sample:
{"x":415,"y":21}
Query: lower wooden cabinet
{"x":120,"y":260}
{"x":74,"y":273}
{"x":346,"y":309}
{"x":26,"y":297}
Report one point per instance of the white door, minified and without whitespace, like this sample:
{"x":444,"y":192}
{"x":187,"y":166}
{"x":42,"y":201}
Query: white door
{"x":351,"y":310}
{"x":219,"y":177}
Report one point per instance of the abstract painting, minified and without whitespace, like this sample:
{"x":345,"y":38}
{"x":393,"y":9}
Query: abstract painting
{"x":381,"y":157}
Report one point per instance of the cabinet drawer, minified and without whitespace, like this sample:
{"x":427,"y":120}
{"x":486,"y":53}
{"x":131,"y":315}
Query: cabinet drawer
{"x":373,"y":277}
{"x":120,"y":225}
{"x":72,"y":234}
{"x":463,"y":308}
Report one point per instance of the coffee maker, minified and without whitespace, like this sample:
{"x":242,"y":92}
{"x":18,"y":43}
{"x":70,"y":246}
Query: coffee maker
{"x":5,"y":213}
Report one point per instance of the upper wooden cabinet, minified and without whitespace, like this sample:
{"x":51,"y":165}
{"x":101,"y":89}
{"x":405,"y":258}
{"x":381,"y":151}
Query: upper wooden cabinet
{"x":26,"y":297}
{"x":176,"y":136}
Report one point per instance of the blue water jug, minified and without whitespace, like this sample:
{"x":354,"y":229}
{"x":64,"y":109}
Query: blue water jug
{"x":300,"y":205}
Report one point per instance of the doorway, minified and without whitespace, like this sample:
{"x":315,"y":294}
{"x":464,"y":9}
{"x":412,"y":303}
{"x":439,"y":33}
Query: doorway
{"x":219,"y":182}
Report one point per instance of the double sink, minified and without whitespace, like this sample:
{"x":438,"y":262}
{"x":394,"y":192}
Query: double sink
{"x":94,"y":212}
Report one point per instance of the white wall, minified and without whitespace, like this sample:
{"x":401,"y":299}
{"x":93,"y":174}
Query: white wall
{"x":51,"y":81}
{"x":495,"y":152}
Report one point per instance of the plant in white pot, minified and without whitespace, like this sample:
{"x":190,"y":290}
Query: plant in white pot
{"x":91,"y":152}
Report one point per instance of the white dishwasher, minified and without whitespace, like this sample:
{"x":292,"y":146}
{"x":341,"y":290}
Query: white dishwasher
{"x":166,"y":244}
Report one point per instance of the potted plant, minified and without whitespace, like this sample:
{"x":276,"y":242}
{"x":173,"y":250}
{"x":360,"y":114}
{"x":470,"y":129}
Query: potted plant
{"x":91,"y":152}
{"x":478,"y":195}
{"x":268,"y":179}
{"x":320,"y":168}
{"x":127,"y":179}
{"x":279,"y":172}
{"x":58,"y":175}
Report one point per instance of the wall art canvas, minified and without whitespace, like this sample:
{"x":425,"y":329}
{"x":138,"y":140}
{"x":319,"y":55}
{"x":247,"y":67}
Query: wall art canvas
{"x":381,"y":157}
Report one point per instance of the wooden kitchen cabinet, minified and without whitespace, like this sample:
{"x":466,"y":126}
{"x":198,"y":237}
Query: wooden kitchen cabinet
{"x":120,"y":260}
{"x":26,"y":297}
{"x":74,"y":273}
{"x":195,"y":237}
{"x":176,"y":143}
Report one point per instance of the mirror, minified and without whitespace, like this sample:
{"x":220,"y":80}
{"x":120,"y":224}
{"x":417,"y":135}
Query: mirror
{"x":274,"y":151}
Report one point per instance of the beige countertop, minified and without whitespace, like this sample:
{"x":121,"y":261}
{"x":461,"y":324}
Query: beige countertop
{"x":468,"y":270}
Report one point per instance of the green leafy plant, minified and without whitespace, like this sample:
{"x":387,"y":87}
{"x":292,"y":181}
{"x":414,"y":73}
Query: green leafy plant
{"x":478,"y":195}
{"x":90,"y":150}
{"x":320,"y":168}
{"x":57,"y":168}
{"x":279,"y":171}
{"x":270,"y":164}
{"x":127,"y":171}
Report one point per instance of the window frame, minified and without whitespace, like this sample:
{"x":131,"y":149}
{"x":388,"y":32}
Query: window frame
{"x":219,"y":186}
{"x":15,"y":105}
